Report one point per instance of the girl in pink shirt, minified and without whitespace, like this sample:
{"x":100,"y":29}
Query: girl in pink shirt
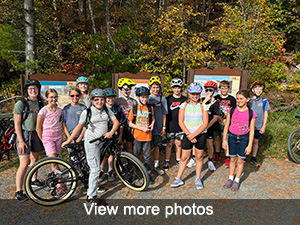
{"x":240,"y":137}
{"x":48,"y":125}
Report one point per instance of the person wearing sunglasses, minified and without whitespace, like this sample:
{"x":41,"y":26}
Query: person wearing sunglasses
{"x":71,"y":114}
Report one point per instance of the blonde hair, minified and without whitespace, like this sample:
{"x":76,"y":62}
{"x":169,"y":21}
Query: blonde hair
{"x":189,"y":100}
{"x":75,"y":89}
{"x":224,"y":83}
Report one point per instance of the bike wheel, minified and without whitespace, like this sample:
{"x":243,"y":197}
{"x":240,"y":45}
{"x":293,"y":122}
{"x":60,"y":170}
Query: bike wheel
{"x":59,"y":185}
{"x":294,"y":145}
{"x":131,"y":171}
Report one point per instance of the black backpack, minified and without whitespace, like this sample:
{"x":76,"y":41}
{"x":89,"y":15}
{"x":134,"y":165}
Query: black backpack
{"x":26,"y":110}
{"x":250,"y":114}
{"x":134,"y":111}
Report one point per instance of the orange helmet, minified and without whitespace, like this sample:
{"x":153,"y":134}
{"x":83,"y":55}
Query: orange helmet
{"x":257,"y":83}
{"x":211,"y":84}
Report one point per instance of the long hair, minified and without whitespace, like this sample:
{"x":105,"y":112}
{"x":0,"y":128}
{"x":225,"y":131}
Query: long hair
{"x":189,"y":100}
{"x":246,"y":94}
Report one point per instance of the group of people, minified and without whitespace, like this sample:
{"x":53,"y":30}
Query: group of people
{"x":190,"y":122}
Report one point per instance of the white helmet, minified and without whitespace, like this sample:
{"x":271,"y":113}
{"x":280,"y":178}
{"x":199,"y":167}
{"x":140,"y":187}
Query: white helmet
{"x":176,"y":82}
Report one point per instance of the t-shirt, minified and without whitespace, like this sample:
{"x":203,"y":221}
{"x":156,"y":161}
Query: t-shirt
{"x":125,"y":105}
{"x":119,"y":115}
{"x":51,"y":119}
{"x":225,"y":104}
{"x":30,"y":123}
{"x":160,"y":107}
{"x":141,"y":120}
{"x":214,"y":109}
{"x":172,"y":125}
{"x":257,"y":107}
{"x":86,"y":101}
{"x":193,"y":116}
{"x":71,"y":115}
{"x":239,"y":123}
{"x":98,"y":124}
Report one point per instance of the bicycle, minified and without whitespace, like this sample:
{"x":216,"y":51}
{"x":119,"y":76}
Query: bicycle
{"x":129,"y":169}
{"x":294,"y":144}
{"x":7,"y":137}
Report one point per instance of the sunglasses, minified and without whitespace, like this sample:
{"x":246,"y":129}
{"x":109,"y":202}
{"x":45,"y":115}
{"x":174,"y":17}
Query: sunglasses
{"x":209,"y":89}
{"x":72,"y":96}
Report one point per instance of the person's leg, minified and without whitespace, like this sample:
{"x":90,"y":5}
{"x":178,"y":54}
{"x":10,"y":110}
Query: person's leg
{"x":255,"y":147}
{"x":217,"y":148}
{"x":183,"y":161}
{"x":170,"y":142}
{"x":199,"y":161}
{"x":24,"y":163}
{"x":157,"y":140}
{"x":146,"y":147}
{"x":137,"y":148}
{"x":129,"y":146}
{"x":240,"y":167}
{"x":178,"y":149}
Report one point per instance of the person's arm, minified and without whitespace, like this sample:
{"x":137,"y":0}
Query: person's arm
{"x":215,"y":119}
{"x":39,"y":125}
{"x":138,"y":127}
{"x":81,"y":135}
{"x":18,"y":130}
{"x":76,"y":131}
{"x":181,"y":122}
{"x":251,"y":136}
{"x":225,"y":131}
{"x":263,"y":129}
{"x":109,"y":134}
{"x":163,"y":131}
{"x":64,"y":125}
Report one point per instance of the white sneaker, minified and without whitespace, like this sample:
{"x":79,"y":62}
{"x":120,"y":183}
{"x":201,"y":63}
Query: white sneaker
{"x":191,"y":163}
{"x":211,"y":166}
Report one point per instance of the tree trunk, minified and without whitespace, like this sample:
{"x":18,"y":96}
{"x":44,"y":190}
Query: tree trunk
{"x":82,"y":8}
{"x":92,"y":16}
{"x":30,"y":55}
{"x":58,"y":43}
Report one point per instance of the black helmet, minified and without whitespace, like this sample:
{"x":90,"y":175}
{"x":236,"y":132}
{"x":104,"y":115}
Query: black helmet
{"x":32,"y":82}
{"x":142,"y":91}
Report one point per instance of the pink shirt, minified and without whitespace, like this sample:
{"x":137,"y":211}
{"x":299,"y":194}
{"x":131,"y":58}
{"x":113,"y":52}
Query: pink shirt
{"x":51,"y":119}
{"x":240,"y":122}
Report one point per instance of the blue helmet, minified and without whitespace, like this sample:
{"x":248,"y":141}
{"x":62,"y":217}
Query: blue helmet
{"x":142,"y":91}
{"x":82,"y":80}
{"x":195,"y":88}
{"x":110,"y":92}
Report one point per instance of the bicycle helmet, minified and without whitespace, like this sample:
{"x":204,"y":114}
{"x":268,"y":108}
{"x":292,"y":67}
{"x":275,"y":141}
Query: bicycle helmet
{"x":211,"y":84}
{"x":142,"y":91}
{"x":82,"y":80}
{"x":124,"y":81}
{"x":32,"y":82}
{"x":110,"y":92}
{"x":176,"y":82}
{"x":97,"y":93}
{"x":195,"y":88}
{"x":257,"y":83}
{"x":154,"y":79}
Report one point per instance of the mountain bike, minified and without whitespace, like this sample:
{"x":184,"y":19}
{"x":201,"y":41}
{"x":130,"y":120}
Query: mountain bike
{"x":61,"y":183}
{"x":294,"y":144}
{"x":7,"y":137}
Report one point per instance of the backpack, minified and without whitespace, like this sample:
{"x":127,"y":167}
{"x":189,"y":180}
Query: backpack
{"x":134,"y":111}
{"x":26,"y":110}
{"x":250,"y":114}
{"x":89,"y":115}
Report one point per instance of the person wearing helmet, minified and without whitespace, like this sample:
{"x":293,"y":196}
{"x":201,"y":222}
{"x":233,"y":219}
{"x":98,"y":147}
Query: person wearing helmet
{"x":193,"y":120}
{"x":96,"y":120}
{"x":160,"y":113}
{"x":141,"y":120}
{"x":83,"y":84}
{"x":29,"y":146}
{"x":226,"y":101}
{"x":213,"y":128}
{"x":125,"y":102}
{"x":261,"y":107}
{"x":174,"y":132}
{"x":110,"y":104}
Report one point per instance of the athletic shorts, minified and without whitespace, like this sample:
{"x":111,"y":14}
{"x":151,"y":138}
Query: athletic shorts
{"x":200,"y":144}
{"x":174,"y":136}
{"x":127,"y":135}
{"x":32,"y":141}
{"x":257,"y":135}
{"x":156,"y":140}
{"x":211,"y":132}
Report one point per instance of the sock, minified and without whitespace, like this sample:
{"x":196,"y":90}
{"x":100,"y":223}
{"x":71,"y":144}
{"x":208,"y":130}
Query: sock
{"x":209,"y":159}
{"x":231,"y":177}
{"x":237,"y":180}
{"x":167,"y":160}
{"x":110,"y":169}
{"x":177,"y":160}
{"x":156,"y":163}
{"x":101,"y":169}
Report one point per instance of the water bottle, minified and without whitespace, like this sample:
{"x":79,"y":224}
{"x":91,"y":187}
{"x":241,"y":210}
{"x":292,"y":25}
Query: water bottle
{"x":12,"y":139}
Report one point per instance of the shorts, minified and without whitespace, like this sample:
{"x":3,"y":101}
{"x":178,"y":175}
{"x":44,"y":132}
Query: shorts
{"x":175,"y":136}
{"x":157,"y":140}
{"x":200,"y":144}
{"x":257,"y":135}
{"x":127,"y":135}
{"x":32,"y":141}
{"x":237,"y":145}
{"x":211,"y":132}
{"x":52,"y":142}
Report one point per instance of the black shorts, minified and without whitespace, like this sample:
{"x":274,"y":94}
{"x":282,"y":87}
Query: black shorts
{"x":213,"y":131}
{"x":127,"y":135}
{"x":200,"y":144}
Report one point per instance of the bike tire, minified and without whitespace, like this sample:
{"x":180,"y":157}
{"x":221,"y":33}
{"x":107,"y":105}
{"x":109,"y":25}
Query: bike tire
{"x":131,"y":171}
{"x":49,"y":194}
{"x":294,"y":146}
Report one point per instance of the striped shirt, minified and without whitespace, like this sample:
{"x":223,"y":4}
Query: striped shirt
{"x":193,"y":116}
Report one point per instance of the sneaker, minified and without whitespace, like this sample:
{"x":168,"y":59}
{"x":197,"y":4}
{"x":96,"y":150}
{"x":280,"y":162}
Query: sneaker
{"x":211,"y":166}
{"x":37,"y":183}
{"x":159,"y":171}
{"x":101,"y":190}
{"x":151,"y":179}
{"x":235,"y":186}
{"x":111,"y":176}
{"x":177,"y":182}
{"x":254,"y":162}
{"x":198,"y":183}
{"x":217,"y":158}
{"x":101,"y":176}
{"x":20,"y":196}
{"x":191,"y":163}
{"x":227,"y":162}
{"x":228,"y":184}
{"x":94,"y":200}
{"x":166,"y":165}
